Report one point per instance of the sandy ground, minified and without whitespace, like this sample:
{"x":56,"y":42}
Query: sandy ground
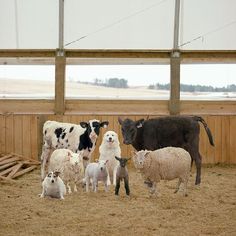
{"x":208,"y":210}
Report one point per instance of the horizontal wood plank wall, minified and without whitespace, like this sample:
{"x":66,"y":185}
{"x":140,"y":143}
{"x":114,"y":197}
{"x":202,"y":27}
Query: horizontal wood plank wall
{"x":22,"y":134}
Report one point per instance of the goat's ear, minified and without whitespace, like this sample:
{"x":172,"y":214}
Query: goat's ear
{"x":139,"y":123}
{"x":104,"y":124}
{"x":84,"y":124}
{"x":117,"y":158}
{"x":120,"y":120}
{"x":106,"y":161}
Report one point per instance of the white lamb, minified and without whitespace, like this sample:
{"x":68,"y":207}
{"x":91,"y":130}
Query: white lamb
{"x":70,"y":165}
{"x":164,"y":164}
{"x":53,"y":186}
{"x":96,"y":171}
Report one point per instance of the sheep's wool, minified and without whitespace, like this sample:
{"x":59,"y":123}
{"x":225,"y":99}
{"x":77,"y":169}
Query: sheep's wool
{"x":166,"y":164}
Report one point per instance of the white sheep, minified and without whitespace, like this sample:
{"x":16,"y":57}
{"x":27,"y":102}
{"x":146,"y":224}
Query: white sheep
{"x":70,"y":165}
{"x":96,"y":171}
{"x":53,"y":186}
{"x":164,"y":164}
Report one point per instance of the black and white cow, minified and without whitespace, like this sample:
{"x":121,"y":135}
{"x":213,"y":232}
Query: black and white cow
{"x":77,"y":138}
{"x":175,"y":131}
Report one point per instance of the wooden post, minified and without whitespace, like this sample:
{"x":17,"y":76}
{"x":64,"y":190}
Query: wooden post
{"x":60,"y":67}
{"x":174,"y":103}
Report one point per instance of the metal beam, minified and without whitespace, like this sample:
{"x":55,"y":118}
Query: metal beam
{"x":61,"y":25}
{"x":176,"y":25}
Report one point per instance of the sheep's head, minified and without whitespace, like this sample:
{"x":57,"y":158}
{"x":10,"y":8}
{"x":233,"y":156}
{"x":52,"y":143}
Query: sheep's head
{"x":102,"y":164}
{"x":139,"y":158}
{"x":123,"y":161}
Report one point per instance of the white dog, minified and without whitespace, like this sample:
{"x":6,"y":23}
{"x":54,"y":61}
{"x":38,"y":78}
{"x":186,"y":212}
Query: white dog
{"x":109,"y":148}
{"x":53,"y":186}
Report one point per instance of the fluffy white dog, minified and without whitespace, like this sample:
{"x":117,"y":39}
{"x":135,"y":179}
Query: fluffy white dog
{"x":109,"y":148}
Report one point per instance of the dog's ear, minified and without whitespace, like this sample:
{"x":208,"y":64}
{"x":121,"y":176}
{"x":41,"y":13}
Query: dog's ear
{"x":57,"y":173}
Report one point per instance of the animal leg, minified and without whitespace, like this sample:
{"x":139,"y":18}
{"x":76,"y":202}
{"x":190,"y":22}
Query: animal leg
{"x":43,"y":193}
{"x":198,"y":163}
{"x":117,"y":187}
{"x":177,"y":186}
{"x":87,"y":180}
{"x":127,"y":186}
{"x":185,"y":181}
{"x":75,"y":188}
{"x":153,"y":189}
{"x":114,"y":176}
{"x":95,"y":185}
{"x":105,"y":186}
{"x":44,"y":160}
{"x":69,"y":188}
{"x":108,"y":179}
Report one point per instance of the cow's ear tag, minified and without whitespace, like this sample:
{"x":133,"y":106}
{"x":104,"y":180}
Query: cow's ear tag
{"x":139,"y":125}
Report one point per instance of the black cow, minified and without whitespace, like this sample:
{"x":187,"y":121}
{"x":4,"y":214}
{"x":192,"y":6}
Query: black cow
{"x":176,"y":131}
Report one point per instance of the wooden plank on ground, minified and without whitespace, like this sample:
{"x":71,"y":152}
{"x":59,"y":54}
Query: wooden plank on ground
{"x":5,"y":157}
{"x":19,"y":173}
{"x":8,"y":170}
{"x":3,"y":167}
{"x":13,"y":172}
{"x":10,"y":160}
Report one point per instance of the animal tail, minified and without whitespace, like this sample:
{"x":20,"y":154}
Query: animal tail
{"x":200,"y":119}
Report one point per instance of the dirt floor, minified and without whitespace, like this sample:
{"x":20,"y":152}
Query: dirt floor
{"x":208,"y":210}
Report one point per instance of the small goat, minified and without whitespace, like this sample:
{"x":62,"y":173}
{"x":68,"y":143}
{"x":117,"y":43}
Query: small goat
{"x":53,"y":186}
{"x":122,"y":173}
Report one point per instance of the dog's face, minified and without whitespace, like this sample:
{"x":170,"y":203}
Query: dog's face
{"x":52,"y":177}
{"x":111,"y":138}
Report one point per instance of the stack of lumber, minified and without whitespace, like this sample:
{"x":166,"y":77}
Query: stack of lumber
{"x":13,"y":165}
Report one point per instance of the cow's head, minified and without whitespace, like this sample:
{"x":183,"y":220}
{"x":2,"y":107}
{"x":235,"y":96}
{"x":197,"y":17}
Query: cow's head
{"x":129,"y":129}
{"x":93,"y":127}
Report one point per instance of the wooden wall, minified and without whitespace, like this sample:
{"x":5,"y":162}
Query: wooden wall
{"x":22,"y":134}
